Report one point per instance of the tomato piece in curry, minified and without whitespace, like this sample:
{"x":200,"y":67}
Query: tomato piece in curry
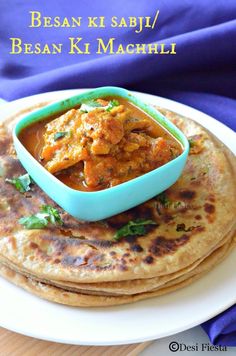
{"x":101,"y":144}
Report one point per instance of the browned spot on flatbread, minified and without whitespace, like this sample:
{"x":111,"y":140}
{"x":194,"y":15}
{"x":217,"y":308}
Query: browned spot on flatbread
{"x":73,"y":261}
{"x":13,"y":167}
{"x":119,"y":220}
{"x":210,"y":219}
{"x":12,"y":240}
{"x":144,"y":211}
{"x":149,"y":260}
{"x":211,"y":198}
{"x":126,"y":254}
{"x":209,"y":208}
{"x":33,"y":245}
{"x":5,"y":144}
{"x":161,"y":246}
{"x":187,"y":194}
{"x":167,"y":218}
{"x":123,"y":268}
{"x":130,"y":239}
{"x":197,"y":182}
{"x":199,"y":229}
{"x":103,"y":243}
{"x":136,"y":248}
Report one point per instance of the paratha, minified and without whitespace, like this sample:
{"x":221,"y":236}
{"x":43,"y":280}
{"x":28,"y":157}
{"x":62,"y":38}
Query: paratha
{"x":76,"y":299}
{"x":191,"y":226}
{"x":135,"y":286}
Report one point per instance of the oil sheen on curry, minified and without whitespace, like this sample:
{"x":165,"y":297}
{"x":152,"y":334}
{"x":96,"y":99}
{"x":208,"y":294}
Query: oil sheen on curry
{"x":101,"y":144}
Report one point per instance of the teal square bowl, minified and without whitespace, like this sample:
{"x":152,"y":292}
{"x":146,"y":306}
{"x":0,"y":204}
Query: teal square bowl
{"x":92,"y":206}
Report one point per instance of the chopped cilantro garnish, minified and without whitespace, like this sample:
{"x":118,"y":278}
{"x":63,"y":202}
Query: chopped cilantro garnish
{"x":53,"y":214}
{"x":163,"y":199}
{"x":47,"y":215}
{"x":59,"y":135}
{"x":191,"y":142}
{"x":135,"y":227}
{"x":101,"y":180}
{"x":37,"y":221}
{"x":90,"y":106}
{"x":177,"y":204}
{"x":21,"y":183}
{"x":93,"y":104}
{"x":182,"y":227}
{"x":112,"y":104}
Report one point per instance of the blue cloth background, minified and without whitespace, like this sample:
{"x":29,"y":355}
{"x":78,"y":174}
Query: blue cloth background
{"x":202,"y":74}
{"x":222,"y":329}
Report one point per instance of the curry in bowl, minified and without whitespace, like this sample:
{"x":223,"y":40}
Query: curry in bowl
{"x":100,"y":144}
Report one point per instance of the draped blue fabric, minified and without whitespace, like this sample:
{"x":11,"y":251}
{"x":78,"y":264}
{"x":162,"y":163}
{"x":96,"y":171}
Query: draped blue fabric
{"x":202,"y":74}
{"x":222,"y":328}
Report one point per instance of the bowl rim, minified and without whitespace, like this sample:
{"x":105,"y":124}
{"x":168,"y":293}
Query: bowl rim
{"x":61,"y":105}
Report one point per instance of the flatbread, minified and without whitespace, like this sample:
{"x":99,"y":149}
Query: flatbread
{"x":81,"y":260}
{"x":61,"y":296}
{"x":135,"y":286}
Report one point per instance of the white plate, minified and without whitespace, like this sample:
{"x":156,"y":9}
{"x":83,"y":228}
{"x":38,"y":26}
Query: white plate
{"x":146,"y":320}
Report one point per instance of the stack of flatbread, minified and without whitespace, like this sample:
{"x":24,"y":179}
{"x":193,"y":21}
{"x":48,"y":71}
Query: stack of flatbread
{"x":81,"y":264}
